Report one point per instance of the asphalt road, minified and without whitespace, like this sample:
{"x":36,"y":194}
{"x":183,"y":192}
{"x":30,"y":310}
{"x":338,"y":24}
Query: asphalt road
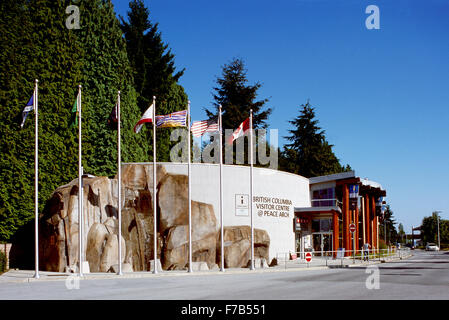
{"x":423,"y":276}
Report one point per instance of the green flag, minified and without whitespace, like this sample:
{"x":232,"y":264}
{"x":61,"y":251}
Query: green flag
{"x":74,"y":117}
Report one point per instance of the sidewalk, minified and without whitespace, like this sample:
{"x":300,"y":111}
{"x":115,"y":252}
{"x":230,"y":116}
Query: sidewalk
{"x":21,"y":276}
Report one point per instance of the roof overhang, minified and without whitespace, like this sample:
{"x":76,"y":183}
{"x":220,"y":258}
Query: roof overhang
{"x":317,"y":210}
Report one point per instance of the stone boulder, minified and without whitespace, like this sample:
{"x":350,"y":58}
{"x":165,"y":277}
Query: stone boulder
{"x":96,"y":240}
{"x":109,"y":256}
{"x":59,"y":221}
{"x":59,"y":225}
{"x":174,"y":220}
{"x":204,"y":238}
{"x":126,"y":267}
{"x":237,"y":245}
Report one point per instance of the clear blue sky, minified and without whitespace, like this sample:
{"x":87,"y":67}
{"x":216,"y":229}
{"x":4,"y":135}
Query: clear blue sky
{"x":382,"y":96}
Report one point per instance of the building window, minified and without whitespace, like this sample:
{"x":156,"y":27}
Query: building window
{"x":325,"y":225}
{"x":323,"y":197}
{"x":321,"y":225}
{"x":315,"y":225}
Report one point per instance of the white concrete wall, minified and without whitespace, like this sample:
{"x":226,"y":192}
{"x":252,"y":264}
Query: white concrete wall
{"x":271,"y":184}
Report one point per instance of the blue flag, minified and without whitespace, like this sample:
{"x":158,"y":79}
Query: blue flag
{"x":29,"y":107}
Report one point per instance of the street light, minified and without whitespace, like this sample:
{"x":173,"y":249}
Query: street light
{"x":438,"y":224}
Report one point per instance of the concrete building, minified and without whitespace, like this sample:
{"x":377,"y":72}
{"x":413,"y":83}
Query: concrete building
{"x":322,"y":206}
{"x":326,"y":222}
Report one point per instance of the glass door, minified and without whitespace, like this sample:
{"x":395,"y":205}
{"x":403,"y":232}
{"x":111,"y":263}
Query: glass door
{"x":322,"y":243}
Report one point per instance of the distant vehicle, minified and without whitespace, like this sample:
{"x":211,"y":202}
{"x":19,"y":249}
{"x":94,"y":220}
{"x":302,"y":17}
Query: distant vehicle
{"x":411,"y":246}
{"x":432,"y":247}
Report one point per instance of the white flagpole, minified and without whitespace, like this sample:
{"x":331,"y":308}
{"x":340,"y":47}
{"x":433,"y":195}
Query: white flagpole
{"x":119,"y":172}
{"x":189,"y":187}
{"x":80,"y":187}
{"x":251,"y":187}
{"x":36,"y":184}
{"x":154,"y":187}
{"x":221,"y":187}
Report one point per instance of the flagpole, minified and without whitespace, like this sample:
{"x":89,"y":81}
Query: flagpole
{"x":189,"y":187}
{"x":221,"y":187}
{"x":36,"y":184}
{"x":119,"y":204}
{"x":154,"y":187}
{"x":251,"y":187}
{"x":80,"y":187}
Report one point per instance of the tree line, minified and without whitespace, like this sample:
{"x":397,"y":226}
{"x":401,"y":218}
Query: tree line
{"x":107,"y":54}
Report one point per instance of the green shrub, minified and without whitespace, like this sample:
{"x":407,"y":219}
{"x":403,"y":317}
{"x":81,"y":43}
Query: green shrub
{"x":2,"y":262}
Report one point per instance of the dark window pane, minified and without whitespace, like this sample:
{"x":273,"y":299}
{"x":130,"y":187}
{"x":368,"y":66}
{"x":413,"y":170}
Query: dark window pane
{"x":315,"y":225}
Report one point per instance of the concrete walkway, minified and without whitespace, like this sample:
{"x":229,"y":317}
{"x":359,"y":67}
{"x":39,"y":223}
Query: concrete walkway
{"x":18,"y":276}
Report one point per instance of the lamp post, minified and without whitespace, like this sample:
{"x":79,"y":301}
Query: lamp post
{"x":438,"y":226}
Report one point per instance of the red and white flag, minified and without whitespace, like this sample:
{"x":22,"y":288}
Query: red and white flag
{"x":240,"y":131}
{"x":147,"y":117}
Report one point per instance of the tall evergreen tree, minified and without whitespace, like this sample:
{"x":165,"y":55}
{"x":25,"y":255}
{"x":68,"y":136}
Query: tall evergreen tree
{"x":237,"y":97}
{"x":309,"y":154}
{"x":387,"y":229}
{"x":105,"y":70}
{"x":154,"y":72}
{"x":36,"y":44}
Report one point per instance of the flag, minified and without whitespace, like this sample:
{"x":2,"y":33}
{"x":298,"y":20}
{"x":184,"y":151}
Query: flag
{"x":240,"y":131}
{"x":147,"y":117}
{"x":74,"y":121}
{"x":200,"y":127}
{"x":175,"y":119}
{"x":29,"y":107}
{"x":113,"y":120}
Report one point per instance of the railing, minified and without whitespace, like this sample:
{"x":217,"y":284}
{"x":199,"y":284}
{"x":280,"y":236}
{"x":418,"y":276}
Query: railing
{"x":340,"y":258}
{"x":325,"y":202}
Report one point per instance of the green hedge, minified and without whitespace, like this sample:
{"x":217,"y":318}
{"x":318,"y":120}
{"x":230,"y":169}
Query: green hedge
{"x":2,"y":262}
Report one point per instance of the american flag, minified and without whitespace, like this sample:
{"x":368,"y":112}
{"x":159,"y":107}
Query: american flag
{"x":175,"y":119}
{"x":200,"y":127}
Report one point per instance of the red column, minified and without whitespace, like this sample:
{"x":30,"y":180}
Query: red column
{"x":357,"y":231}
{"x":336,"y":235}
{"x":367,"y":219}
{"x":373,"y":227}
{"x":346,"y":218}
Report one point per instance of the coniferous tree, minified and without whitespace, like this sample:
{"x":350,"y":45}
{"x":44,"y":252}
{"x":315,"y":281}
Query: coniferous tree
{"x":237,"y":98}
{"x":309,"y":154}
{"x":154,"y":72}
{"x":105,"y":70}
{"x":387,"y":229}
{"x":36,"y":44}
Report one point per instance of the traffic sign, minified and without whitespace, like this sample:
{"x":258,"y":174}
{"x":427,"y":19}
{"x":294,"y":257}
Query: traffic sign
{"x":308,"y":257}
{"x":352,"y":228}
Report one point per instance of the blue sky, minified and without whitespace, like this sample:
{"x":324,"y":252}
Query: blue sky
{"x":382,"y":96}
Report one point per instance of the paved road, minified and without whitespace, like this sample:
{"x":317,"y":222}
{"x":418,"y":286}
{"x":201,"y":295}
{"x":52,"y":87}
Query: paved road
{"x":423,"y":276}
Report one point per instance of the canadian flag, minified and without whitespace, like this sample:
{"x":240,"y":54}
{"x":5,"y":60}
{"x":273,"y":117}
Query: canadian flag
{"x":147,"y":117}
{"x":240,"y":131}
